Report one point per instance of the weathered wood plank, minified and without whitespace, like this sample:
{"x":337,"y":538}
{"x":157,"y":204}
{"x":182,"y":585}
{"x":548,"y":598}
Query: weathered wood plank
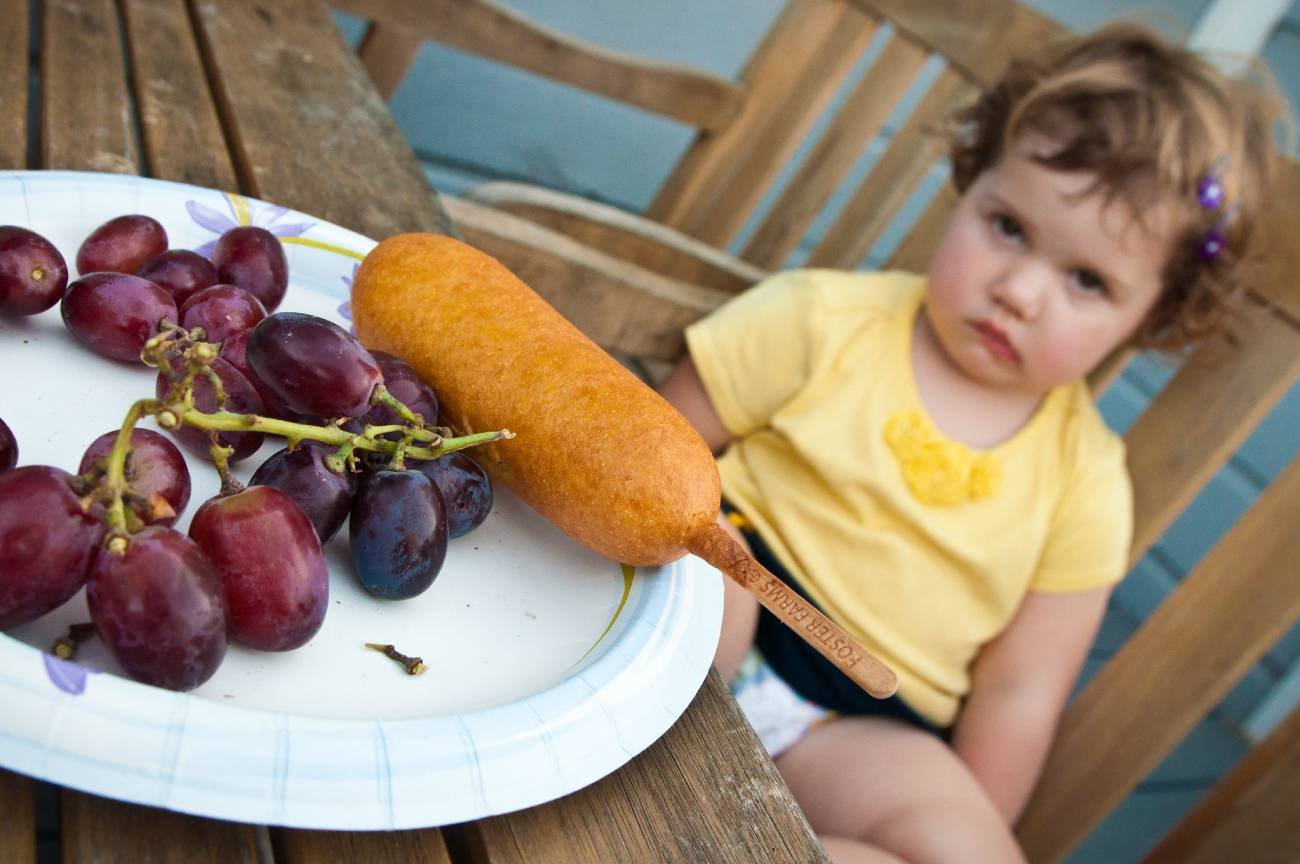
{"x":87,"y":123}
{"x":1250,"y":815}
{"x":925,"y":233}
{"x":103,"y":831}
{"x":303,"y":117}
{"x":13,"y":84}
{"x":387,"y":51}
{"x":293,"y":846}
{"x":17,"y":818}
{"x":491,"y":30}
{"x":723,"y":803}
{"x":181,"y":132}
{"x":1224,"y":616}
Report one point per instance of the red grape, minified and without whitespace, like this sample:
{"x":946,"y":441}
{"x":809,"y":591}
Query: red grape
{"x":401,"y":379}
{"x":8,"y":447}
{"x":301,"y":473}
{"x":241,"y":398}
{"x":312,"y":366}
{"x":270,"y":560}
{"x":47,"y":541}
{"x":154,"y":467}
{"x":114,"y":314}
{"x":33,"y":273}
{"x":180,"y":272}
{"x":465,"y":488}
{"x":121,"y":245}
{"x":160,"y":609}
{"x":253,"y":259}
{"x":398,"y":531}
{"x":221,"y":310}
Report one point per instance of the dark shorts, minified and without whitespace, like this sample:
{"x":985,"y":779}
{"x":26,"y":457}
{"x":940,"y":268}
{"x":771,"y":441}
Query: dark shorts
{"x":807,"y":672}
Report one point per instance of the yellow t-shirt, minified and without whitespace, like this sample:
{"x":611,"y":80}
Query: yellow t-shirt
{"x":808,"y":371}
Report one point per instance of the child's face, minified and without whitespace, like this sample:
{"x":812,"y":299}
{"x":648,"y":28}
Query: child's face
{"x":1034,"y":285}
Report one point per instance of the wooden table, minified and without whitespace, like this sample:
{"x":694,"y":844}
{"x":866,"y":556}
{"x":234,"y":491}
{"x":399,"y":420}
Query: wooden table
{"x":265,"y":98}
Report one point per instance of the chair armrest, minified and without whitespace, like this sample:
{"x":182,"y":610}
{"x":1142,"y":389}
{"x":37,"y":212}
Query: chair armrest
{"x":624,"y":235}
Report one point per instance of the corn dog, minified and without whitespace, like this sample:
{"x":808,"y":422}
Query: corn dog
{"x":596,"y":451}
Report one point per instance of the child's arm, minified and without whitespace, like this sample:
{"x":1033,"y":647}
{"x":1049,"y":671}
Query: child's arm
{"x":1020,"y":683}
{"x":685,"y":391}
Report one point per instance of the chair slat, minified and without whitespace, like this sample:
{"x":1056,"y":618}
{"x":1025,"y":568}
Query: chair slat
{"x":96,"y":829}
{"x":481,"y":27}
{"x":788,"y":122}
{"x":914,"y":150}
{"x":616,"y":232}
{"x":978,"y":38}
{"x":387,"y":52}
{"x":1203,"y":414}
{"x":924,"y":235}
{"x":13,"y":83}
{"x":799,"y":37}
{"x":85,"y":128}
{"x":17,"y":818}
{"x":293,"y":846}
{"x":1224,"y":616}
{"x":856,"y":123}
{"x":1249,"y":815}
{"x":623,"y":308}
{"x":178,"y":117}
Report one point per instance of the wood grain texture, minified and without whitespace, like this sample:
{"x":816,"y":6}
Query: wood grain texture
{"x":1223,"y":617}
{"x":488,"y":29}
{"x":181,"y":133}
{"x":924,"y":235}
{"x":1250,"y":815}
{"x":616,"y":232}
{"x":87,"y":122}
{"x":723,"y":803}
{"x":308,"y":129}
{"x":103,"y":831}
{"x":293,"y":846}
{"x":13,"y":84}
{"x":17,"y":818}
{"x":1201,"y":416}
{"x":387,"y":51}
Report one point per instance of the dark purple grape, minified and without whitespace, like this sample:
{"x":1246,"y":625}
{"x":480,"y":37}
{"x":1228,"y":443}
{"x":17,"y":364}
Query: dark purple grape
{"x":253,"y":259}
{"x":324,"y":495}
{"x":241,"y":398}
{"x":121,"y":245}
{"x":465,"y":488}
{"x":401,"y":380}
{"x":160,"y":609}
{"x":33,"y":273}
{"x":270,"y":561}
{"x":179,"y":272}
{"x":8,"y":447}
{"x":47,"y":542}
{"x":399,"y":533}
{"x":114,"y":314}
{"x":222,"y":310}
{"x":312,"y":366}
{"x":234,"y":351}
{"x":155,"y":471}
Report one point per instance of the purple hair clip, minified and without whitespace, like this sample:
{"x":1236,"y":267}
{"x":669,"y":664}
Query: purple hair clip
{"x":1210,"y":195}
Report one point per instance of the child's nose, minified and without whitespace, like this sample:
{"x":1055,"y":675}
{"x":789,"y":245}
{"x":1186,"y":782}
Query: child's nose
{"x":1021,"y":290}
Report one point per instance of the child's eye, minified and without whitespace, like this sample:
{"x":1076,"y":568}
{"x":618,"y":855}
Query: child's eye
{"x":1007,"y":226}
{"x":1090,"y":282}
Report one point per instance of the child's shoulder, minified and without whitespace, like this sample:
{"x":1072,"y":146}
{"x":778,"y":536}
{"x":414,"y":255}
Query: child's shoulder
{"x":1088,"y":438}
{"x":886,"y":292}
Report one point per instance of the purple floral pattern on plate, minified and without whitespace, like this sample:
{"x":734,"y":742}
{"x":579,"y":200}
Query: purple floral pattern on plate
{"x":345,"y":308}
{"x":242,"y":212}
{"x":67,"y":676}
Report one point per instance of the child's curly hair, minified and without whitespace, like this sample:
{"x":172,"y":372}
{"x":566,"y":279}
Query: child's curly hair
{"x":1150,"y":120}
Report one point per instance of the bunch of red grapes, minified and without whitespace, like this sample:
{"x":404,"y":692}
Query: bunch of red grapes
{"x":231,"y":370}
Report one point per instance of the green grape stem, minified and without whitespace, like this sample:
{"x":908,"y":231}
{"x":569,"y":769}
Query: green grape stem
{"x":115,"y":469}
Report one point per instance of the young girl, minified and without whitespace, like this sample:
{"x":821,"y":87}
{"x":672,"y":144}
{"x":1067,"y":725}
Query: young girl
{"x":921,"y":457}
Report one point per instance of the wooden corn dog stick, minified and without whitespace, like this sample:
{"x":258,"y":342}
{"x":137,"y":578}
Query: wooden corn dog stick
{"x":597,"y":452}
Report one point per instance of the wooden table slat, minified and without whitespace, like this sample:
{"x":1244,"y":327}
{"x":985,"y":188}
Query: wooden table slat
{"x":294,"y":846}
{"x":179,"y":127}
{"x":17,"y":818}
{"x":310,"y":131}
{"x":87,"y":120}
{"x":13,"y":84}
{"x":103,"y":831}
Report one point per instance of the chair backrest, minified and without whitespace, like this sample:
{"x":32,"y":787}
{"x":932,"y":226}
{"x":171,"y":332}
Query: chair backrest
{"x":1222,"y":618}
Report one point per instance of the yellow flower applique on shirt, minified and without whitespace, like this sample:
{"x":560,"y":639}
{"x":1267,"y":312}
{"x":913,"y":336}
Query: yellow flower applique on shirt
{"x":938,"y":471}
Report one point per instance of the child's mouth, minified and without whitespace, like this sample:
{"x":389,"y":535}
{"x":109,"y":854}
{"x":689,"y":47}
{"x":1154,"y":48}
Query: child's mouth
{"x":997,"y":343}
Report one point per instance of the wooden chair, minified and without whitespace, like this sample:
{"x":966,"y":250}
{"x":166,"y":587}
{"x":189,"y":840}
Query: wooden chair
{"x":633,"y":283}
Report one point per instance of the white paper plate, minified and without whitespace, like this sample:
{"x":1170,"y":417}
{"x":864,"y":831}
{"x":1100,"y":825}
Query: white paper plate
{"x":548,"y":666}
